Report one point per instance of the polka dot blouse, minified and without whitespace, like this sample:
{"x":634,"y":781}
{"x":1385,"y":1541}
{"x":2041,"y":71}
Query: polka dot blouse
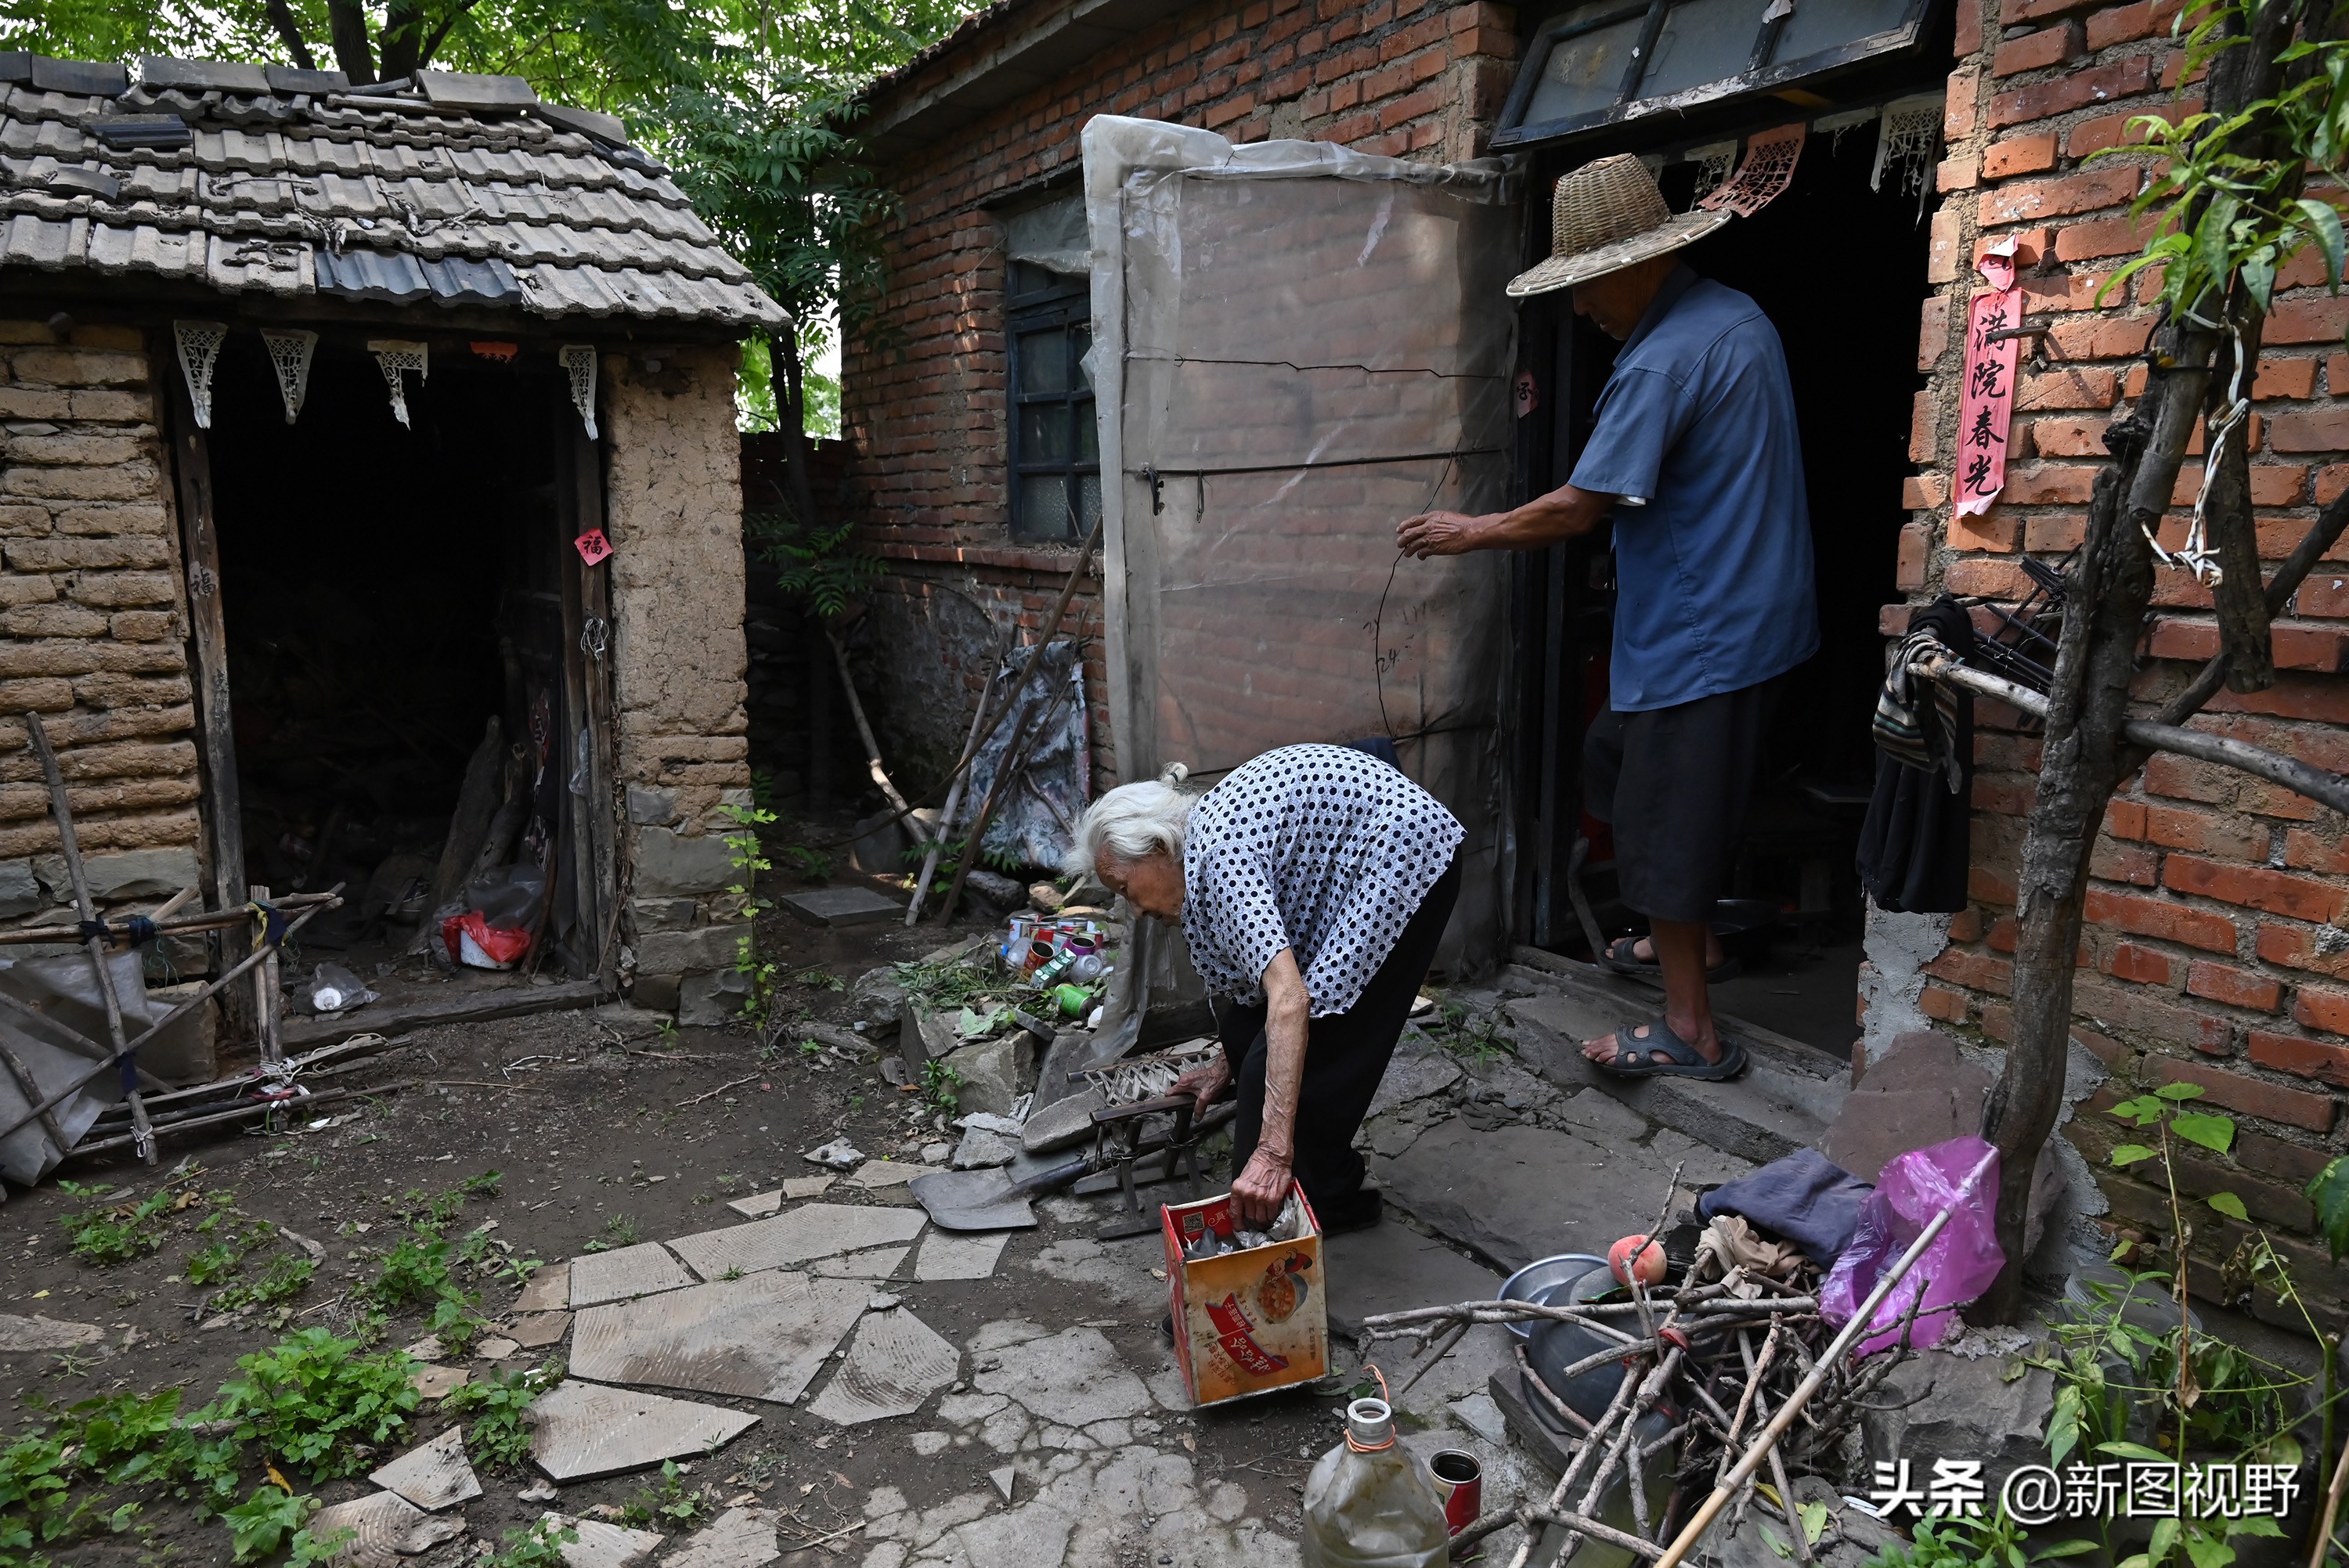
{"x":1322,"y":849}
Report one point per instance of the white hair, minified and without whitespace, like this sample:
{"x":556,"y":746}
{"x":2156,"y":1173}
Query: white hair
{"x":1133,"y":822}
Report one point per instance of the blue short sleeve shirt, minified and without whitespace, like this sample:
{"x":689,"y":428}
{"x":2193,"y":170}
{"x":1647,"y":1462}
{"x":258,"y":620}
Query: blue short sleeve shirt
{"x":1714,"y":587}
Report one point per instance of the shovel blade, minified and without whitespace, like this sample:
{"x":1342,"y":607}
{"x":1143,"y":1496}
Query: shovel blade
{"x":973,"y":1200}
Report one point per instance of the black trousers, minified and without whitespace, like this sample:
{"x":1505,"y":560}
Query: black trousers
{"x":1345,"y":1056}
{"x":1674,"y":783}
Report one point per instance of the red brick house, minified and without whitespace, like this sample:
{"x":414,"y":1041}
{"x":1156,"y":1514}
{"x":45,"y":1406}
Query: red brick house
{"x":2219,"y":949}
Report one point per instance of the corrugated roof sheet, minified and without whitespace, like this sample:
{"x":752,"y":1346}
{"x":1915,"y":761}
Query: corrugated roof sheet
{"x":361,"y":195}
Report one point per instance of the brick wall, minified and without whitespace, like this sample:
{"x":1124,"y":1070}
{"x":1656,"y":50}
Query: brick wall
{"x":92,"y":624}
{"x":923,"y":402}
{"x":2217,"y":949}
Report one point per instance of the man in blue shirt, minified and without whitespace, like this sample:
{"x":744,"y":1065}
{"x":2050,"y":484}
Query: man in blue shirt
{"x":1695,"y":459}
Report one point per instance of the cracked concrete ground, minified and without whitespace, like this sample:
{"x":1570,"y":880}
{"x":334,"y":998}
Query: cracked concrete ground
{"x":1065,"y":1436}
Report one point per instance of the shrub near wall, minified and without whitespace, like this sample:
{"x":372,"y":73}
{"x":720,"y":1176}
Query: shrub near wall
{"x":2217,"y":949}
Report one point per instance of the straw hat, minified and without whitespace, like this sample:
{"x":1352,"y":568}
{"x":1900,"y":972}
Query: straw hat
{"x":1606,"y":216}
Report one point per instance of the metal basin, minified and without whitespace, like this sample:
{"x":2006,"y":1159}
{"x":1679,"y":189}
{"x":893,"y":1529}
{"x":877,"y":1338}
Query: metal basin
{"x":1529,"y":1282}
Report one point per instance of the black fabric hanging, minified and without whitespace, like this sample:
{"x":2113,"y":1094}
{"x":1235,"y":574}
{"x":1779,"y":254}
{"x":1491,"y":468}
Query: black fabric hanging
{"x":1913,"y":846}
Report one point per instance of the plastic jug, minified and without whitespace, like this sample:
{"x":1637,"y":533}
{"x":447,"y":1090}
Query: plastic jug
{"x":1368,"y":1504}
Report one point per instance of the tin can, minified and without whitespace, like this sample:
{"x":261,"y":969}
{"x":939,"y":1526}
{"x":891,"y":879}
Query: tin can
{"x":1460,"y":1482}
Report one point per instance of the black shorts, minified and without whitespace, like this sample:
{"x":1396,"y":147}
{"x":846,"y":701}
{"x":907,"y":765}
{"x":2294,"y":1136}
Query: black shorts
{"x":1673,"y":782}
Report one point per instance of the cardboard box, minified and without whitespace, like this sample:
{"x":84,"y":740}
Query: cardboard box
{"x":1249,"y":1322}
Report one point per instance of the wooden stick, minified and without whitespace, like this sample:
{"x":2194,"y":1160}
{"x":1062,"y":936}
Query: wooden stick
{"x":185,"y":925}
{"x":268,"y":1001}
{"x":946,"y":814}
{"x":1783,"y":1421}
{"x":166,"y":1021}
{"x":187,"y":1122}
{"x":1015,"y":757}
{"x":62,"y":808}
{"x":872,"y":746}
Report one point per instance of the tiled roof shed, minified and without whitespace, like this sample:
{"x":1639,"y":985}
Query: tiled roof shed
{"x":457,"y":190}
{"x":270,"y":344}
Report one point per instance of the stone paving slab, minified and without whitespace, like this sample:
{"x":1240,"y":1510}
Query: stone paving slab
{"x":602,"y":1544}
{"x":946,"y":1255}
{"x":549,"y":1290}
{"x":738,"y":1538}
{"x":839,"y":906}
{"x":764,"y":1337}
{"x":38,"y":1332}
{"x":1518,"y":1192}
{"x":641,"y":1270}
{"x":796,"y":1236}
{"x":385,"y":1529}
{"x":583,"y":1430}
{"x":1390,"y":1267}
{"x":432,"y":1475}
{"x":894,"y":1365}
{"x":877,"y":1262}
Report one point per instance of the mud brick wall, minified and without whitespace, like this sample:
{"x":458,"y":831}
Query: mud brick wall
{"x":93,"y":625}
{"x":923,"y":387}
{"x":673,"y":491}
{"x":2217,"y":949}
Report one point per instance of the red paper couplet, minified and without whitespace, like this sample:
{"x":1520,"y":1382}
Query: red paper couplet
{"x":593,"y":546}
{"x":1986,"y":406}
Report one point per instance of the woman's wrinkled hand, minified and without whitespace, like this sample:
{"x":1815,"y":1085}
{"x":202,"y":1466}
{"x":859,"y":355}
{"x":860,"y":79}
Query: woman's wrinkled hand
{"x":1205,"y":1085}
{"x":1261,"y":1189}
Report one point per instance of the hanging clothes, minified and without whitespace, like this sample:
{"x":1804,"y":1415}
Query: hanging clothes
{"x":1913,"y":846}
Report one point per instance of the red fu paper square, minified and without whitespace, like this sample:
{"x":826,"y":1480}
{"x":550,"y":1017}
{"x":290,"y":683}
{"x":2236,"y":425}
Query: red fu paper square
{"x":593,"y":546}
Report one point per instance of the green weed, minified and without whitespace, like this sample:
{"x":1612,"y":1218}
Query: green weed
{"x":941,"y":1087}
{"x":671,"y":1505}
{"x":821,"y":980}
{"x":118,"y":1232}
{"x":538,"y":1544}
{"x":259,"y":1524}
{"x":620,"y":1230}
{"x":499,"y":1435}
{"x":314,"y":1401}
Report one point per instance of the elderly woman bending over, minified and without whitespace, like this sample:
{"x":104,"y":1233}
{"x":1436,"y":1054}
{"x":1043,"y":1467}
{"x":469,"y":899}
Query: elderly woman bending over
{"x":1312,"y":885}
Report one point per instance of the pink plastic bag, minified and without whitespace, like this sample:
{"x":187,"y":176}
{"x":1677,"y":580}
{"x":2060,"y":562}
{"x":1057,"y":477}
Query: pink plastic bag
{"x":1960,"y":1265}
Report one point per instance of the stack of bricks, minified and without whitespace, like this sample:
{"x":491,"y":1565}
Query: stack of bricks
{"x":2217,"y":948}
{"x":94,"y":626}
{"x":924,"y":404}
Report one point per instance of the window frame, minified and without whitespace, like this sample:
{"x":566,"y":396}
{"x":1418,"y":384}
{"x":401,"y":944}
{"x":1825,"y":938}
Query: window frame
{"x":1757,"y":76}
{"x":1067,"y":302}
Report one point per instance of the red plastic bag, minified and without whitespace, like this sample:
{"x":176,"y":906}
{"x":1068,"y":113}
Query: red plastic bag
{"x":491,"y":947}
{"x":1960,"y":1265}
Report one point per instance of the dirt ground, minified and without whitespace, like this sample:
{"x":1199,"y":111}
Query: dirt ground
{"x":603,"y":1125}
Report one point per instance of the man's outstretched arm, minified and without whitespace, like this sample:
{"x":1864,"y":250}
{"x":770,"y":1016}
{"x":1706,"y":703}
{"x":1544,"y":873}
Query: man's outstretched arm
{"x":1565,"y":513}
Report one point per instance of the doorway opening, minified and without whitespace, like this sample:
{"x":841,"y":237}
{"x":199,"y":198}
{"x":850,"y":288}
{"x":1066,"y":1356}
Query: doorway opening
{"x":403,"y":668}
{"x":1837,"y":263}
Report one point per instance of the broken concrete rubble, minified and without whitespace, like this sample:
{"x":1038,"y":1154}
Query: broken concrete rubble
{"x":894,"y":1365}
{"x":795,"y":1236}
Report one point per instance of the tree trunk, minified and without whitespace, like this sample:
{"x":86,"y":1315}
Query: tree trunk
{"x":347,"y":27}
{"x":2084,"y":758}
{"x":289,"y":33}
{"x":2239,"y":598}
{"x":403,"y":39}
{"x":790,"y":417}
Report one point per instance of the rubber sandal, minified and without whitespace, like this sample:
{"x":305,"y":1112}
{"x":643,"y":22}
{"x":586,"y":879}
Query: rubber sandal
{"x":1664,"y":1053}
{"x":1621,"y":958}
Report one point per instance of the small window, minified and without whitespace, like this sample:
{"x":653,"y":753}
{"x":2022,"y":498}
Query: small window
{"x":1603,"y":63}
{"x":1055,"y":451}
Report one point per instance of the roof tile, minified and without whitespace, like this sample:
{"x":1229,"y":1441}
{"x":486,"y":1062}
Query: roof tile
{"x":382,"y":199}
